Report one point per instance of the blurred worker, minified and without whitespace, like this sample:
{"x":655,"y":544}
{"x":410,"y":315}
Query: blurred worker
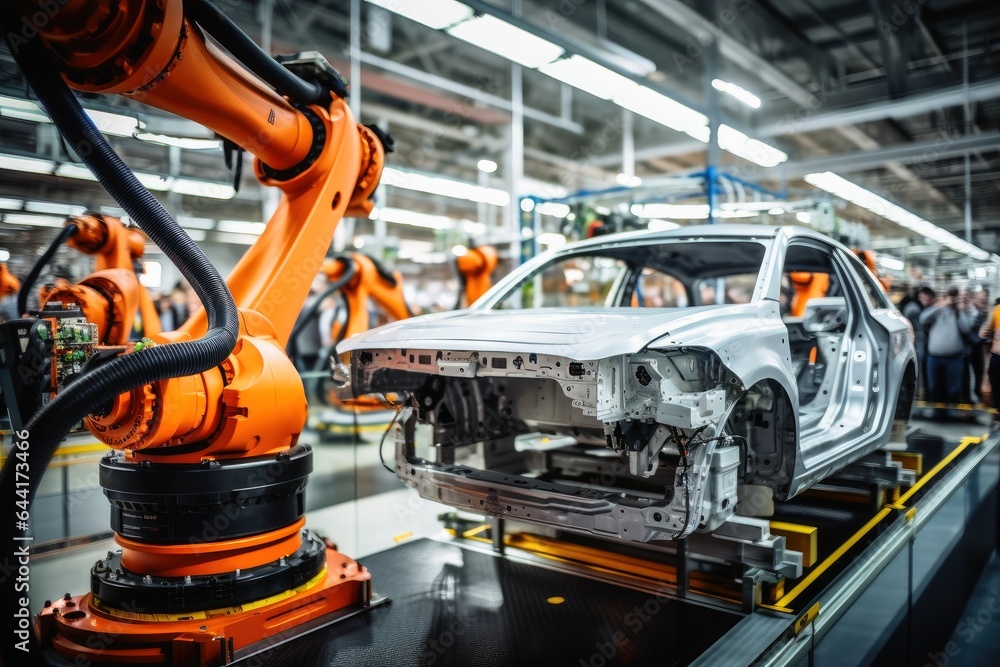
{"x":911,"y":309}
{"x":174,"y":309}
{"x":990,"y":331}
{"x":949,"y":323}
{"x":978,"y":348}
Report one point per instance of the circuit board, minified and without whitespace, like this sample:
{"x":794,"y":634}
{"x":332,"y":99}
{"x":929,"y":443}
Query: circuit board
{"x":39,"y":356}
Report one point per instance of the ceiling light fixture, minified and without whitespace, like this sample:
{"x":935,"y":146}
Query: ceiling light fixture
{"x":486,"y":166}
{"x":115,"y":124}
{"x":53,"y":208}
{"x":28,"y":165}
{"x":446,"y":187}
{"x":868,"y":200}
{"x":657,"y":225}
{"x":437,"y":14}
{"x":189,"y":143}
{"x":754,"y":150}
{"x":33,"y":220}
{"x":628,"y":181}
{"x":506,"y":40}
{"x":401,"y":216}
{"x":241,"y":227}
{"x":685,"y":211}
{"x":738,"y":92}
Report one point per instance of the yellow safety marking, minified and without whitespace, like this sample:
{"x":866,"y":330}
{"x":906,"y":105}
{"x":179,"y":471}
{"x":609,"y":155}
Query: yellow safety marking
{"x":362,"y":428}
{"x":205,"y":615}
{"x":70,"y":450}
{"x":954,"y":406}
{"x":555,"y":599}
{"x":774,"y":607}
{"x":910,"y":513}
{"x":955,"y":453}
{"x":472,"y":532}
{"x":832,"y":558}
{"x":403,"y":536}
{"x":799,"y":538}
{"x":805,"y":619}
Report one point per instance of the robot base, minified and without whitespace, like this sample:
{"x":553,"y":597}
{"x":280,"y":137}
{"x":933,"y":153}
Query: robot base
{"x":81,"y":627}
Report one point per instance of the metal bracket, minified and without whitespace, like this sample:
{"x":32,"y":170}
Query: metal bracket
{"x":753,"y":580}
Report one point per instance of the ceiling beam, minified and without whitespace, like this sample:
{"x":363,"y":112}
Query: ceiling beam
{"x":902,"y":108}
{"x":936,"y":149}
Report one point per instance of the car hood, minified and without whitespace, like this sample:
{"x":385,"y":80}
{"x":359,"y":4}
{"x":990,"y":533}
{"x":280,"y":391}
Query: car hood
{"x":576,"y":333}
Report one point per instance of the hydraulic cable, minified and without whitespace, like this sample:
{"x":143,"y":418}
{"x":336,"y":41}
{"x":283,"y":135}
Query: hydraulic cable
{"x":50,"y":425}
{"x":22,"y":297}
{"x":244,"y":49}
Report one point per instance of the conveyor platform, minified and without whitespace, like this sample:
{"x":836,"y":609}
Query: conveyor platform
{"x":878,"y":585}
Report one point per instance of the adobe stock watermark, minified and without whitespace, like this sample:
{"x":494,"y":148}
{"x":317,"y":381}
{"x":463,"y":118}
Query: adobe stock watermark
{"x":635,"y":620}
{"x":968,"y":629}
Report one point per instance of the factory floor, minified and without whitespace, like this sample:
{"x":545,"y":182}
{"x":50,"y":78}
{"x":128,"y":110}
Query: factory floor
{"x":364,"y":509}
{"x":976,"y":640}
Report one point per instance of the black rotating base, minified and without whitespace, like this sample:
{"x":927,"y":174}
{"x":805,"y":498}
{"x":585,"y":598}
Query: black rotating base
{"x":169,"y":503}
{"x":117,"y":588}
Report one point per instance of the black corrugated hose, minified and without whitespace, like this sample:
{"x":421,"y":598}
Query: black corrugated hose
{"x":50,"y":425}
{"x":227,"y":33}
{"x":29,"y":282}
{"x":293,"y":346}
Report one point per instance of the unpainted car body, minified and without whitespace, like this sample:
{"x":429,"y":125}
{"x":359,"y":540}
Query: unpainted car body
{"x":638,"y":401}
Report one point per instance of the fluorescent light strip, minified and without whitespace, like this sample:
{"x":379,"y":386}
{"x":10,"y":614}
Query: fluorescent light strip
{"x":657,"y":225}
{"x":891,"y":263}
{"x":753,"y":150}
{"x":738,"y":92}
{"x":208,"y":189}
{"x":401,"y":216}
{"x":845,"y":189}
{"x":190,"y":222}
{"x":8,"y":203}
{"x":685,"y":211}
{"x":554,"y":209}
{"x":114,"y":124}
{"x":241,"y":227}
{"x":28,"y":165}
{"x":506,"y":40}
{"x":446,"y":187}
{"x":437,"y":14}
{"x":238,"y":239}
{"x":588,"y":76}
{"x":189,"y":143}
{"x":53,"y":208}
{"x":33,"y":220}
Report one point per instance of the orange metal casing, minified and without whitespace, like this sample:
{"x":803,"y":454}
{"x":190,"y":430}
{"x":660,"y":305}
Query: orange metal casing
{"x":9,"y":284}
{"x":476,"y":265}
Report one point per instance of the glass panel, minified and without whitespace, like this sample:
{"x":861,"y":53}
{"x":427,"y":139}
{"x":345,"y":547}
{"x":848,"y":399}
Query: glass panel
{"x":662,"y":275}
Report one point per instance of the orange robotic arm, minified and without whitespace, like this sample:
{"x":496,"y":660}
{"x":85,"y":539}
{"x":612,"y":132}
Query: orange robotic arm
{"x":324,"y":162}
{"x":370,"y":281}
{"x":236,"y":425}
{"x":868,"y":258}
{"x":110,"y":296}
{"x":476,"y":267}
{"x":9,"y":284}
{"x":807,"y":286}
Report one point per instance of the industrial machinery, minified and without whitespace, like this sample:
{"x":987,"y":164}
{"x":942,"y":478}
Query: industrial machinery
{"x":367,"y":281}
{"x":363,"y":283}
{"x":113,"y":294}
{"x":114,"y":247}
{"x":475,"y":268}
{"x":9,"y":284}
{"x":206,"y":475}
